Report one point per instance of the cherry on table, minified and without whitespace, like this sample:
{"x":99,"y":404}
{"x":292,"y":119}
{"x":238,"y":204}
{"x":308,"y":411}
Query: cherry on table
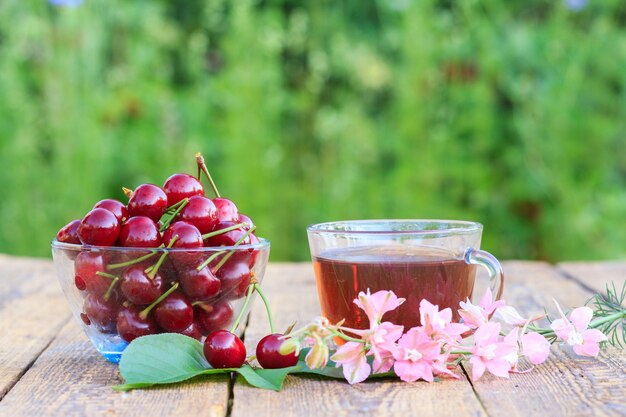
{"x":213,"y":316}
{"x":101,"y":312}
{"x":69,"y":233}
{"x":175,"y":313}
{"x":114,"y":206}
{"x":139,"y":232}
{"x":200,"y":285}
{"x":179,"y":186}
{"x":148,"y":200}
{"x":138,"y":287}
{"x":268,"y":353}
{"x":86,"y":268}
{"x":226,"y":210}
{"x":99,"y":227}
{"x":223,"y":349}
{"x":201,"y":212}
{"x":131,"y":325}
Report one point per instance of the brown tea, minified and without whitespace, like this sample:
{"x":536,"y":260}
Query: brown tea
{"x":413,"y":273}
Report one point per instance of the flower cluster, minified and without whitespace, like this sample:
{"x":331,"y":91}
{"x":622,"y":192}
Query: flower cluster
{"x":438,"y":345}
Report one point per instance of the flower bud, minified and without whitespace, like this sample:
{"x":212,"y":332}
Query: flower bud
{"x":289,"y":346}
{"x":317,"y":356}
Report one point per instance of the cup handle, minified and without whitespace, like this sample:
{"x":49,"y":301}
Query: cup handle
{"x":488,"y":261}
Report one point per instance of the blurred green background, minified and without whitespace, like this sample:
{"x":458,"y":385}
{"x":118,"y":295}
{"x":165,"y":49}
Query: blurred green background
{"x":511,"y":113}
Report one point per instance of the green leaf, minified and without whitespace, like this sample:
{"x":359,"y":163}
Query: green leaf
{"x":161,"y":359}
{"x":265,"y":378}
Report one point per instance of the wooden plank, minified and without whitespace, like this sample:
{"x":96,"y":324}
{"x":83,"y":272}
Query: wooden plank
{"x":566,"y":384}
{"x":71,"y":379}
{"x":32,"y":310}
{"x":293,"y":295}
{"x":596,"y":275}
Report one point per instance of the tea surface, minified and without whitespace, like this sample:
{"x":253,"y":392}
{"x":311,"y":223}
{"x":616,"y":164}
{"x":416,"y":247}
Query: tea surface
{"x":413,"y":273}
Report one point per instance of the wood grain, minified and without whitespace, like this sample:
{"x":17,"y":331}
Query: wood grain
{"x":566,"y":384}
{"x":32,"y":310}
{"x":71,"y":379}
{"x":596,"y":275}
{"x":293,"y":295}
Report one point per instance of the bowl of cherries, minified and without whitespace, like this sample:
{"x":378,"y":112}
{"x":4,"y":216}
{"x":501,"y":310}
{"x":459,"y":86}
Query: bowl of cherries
{"x":169,"y":260}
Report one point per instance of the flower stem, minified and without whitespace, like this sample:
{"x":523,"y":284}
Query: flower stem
{"x":243,"y":309}
{"x":346,"y":337}
{"x":610,"y":318}
{"x":267,"y":307}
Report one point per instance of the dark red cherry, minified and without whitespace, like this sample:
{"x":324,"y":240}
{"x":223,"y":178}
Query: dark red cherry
{"x":210,"y":317}
{"x":130,"y":324}
{"x":148,"y":200}
{"x":226,"y":210}
{"x":189,"y":236}
{"x":179,"y":186}
{"x":138,"y":287}
{"x":139,"y":232}
{"x":85,"y":319}
{"x":201,"y":212}
{"x":247,"y":220}
{"x":192,"y":331}
{"x":235,"y":278}
{"x":86,"y":267}
{"x":116,"y":207}
{"x":227,"y":239}
{"x":223,"y":349}
{"x":69,"y":233}
{"x":268,"y":353}
{"x":99,"y":227}
{"x":200,"y":285}
{"x":101,"y":312}
{"x":175,"y":313}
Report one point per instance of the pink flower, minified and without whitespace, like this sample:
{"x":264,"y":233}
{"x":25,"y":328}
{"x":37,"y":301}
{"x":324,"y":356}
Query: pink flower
{"x":377,"y":304}
{"x":576,"y":333}
{"x":535,"y":347}
{"x":438,"y":324}
{"x":490,"y":353}
{"x":475,"y":316}
{"x":354,"y":362}
{"x":419,"y":356}
{"x":510,"y":316}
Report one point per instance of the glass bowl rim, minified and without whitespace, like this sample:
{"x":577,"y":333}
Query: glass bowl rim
{"x":455,"y":227}
{"x":262,"y":244}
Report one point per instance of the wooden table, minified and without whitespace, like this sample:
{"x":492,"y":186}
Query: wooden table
{"x":48,"y":367}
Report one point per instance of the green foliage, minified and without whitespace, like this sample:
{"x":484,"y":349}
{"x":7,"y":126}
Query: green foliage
{"x":510,"y":113}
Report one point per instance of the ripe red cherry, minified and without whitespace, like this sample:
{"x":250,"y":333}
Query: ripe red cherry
{"x":189,"y":236}
{"x":200,"y":285}
{"x":210,"y":317}
{"x":99,"y":227}
{"x":192,"y":331}
{"x":174,"y":314}
{"x":86,"y":267}
{"x":69,"y":233}
{"x":268,"y":353}
{"x":179,"y":186}
{"x":247,"y":220}
{"x":138,"y":287}
{"x":101,"y":312}
{"x":130,"y":324}
{"x":226,"y":210}
{"x":223,"y":349}
{"x":148,"y":200}
{"x":116,"y":207}
{"x":201,"y":212}
{"x":235,"y":277}
{"x":140,"y":232}
{"x":229,"y":238}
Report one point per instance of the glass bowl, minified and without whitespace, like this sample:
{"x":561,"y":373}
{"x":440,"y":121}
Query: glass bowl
{"x":110,"y":293}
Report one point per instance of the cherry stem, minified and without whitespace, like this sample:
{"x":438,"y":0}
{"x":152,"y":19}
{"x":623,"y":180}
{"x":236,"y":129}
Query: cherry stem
{"x":127,"y":192}
{"x":243,"y":309}
{"x":133,"y":261}
{"x":203,"y":305}
{"x":211,"y":259}
{"x":257,"y":287}
{"x":109,"y":291}
{"x":167,"y":222}
{"x":105,"y":274}
{"x":224,"y":230}
{"x":202,"y":167}
{"x":154,"y":268}
{"x":229,"y":254}
{"x":144,"y":313}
